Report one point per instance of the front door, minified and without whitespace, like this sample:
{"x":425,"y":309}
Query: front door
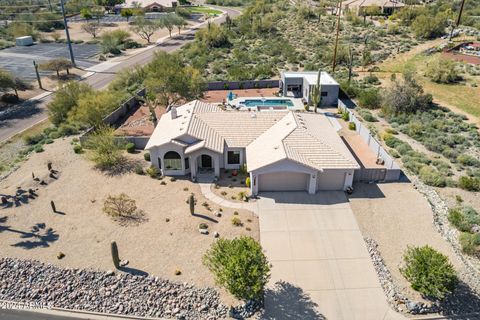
{"x":206,"y":161}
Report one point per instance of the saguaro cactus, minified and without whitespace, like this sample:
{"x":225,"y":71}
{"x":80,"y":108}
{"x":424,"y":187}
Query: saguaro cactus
{"x":191,"y":202}
{"x":115,"y":258}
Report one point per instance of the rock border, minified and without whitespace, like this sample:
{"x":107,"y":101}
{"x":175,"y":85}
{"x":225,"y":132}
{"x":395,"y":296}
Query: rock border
{"x":30,"y":281}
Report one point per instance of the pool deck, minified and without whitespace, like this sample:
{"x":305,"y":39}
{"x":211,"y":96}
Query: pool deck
{"x":218,"y":96}
{"x":297,"y":103}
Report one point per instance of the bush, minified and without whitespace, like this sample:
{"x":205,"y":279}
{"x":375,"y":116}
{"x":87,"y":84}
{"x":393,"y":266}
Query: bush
{"x":430,"y":176}
{"x":106,"y":148}
{"x":346,"y":116}
{"x":130,"y":147}
{"x":139,"y":170}
{"x":67,"y":130}
{"x":442,"y":71}
{"x":469,"y":184}
{"x":469,"y":242}
{"x":33,"y":139}
{"x":146,"y":156}
{"x":367,"y":115}
{"x":237,"y":222}
{"x":153,"y":172}
{"x":429,"y":272}
{"x":457,"y":219}
{"x":370,"y":99}
{"x":240,"y":266}
{"x":247,"y":182}
{"x":352,"y":126}
{"x":119,"y":206}
{"x":38,"y":149}
{"x":77,"y":148}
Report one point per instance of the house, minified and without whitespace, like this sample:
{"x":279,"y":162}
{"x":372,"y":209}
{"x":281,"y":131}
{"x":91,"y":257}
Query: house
{"x":283,"y":150}
{"x":386,"y":7}
{"x":300,"y":84}
{"x":150,"y":5}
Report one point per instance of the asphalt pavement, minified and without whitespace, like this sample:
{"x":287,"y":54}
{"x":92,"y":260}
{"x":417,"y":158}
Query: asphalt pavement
{"x":30,"y":113}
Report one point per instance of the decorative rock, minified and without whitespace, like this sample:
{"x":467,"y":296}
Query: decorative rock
{"x":216,"y":234}
{"x":203,"y":231}
{"x":60,"y":255}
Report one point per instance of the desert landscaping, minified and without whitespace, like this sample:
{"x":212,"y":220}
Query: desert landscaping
{"x":165,"y":243}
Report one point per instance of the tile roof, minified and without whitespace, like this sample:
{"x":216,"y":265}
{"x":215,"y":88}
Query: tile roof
{"x":269,"y":136}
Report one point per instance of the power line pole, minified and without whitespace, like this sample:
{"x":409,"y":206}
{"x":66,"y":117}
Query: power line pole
{"x":334,"y":64}
{"x":458,"y":20}
{"x":69,"y":43}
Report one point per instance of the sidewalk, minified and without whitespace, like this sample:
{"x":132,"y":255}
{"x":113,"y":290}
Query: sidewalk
{"x":206,"y":189}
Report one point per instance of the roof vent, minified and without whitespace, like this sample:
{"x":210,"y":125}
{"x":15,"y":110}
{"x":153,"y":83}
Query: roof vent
{"x":173,"y":112}
{"x":276,"y":147}
{"x":253,"y":115}
{"x":288,"y":123}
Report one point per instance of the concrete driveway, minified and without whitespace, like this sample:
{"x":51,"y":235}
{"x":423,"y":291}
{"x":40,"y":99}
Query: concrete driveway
{"x":320,"y":264}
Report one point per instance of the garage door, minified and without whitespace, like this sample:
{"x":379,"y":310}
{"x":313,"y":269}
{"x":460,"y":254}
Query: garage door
{"x":283,"y":181}
{"x":331,"y":180}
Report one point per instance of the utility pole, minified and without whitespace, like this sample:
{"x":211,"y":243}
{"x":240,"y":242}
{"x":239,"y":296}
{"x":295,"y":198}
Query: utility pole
{"x":334,"y":64}
{"x":458,"y":20}
{"x":69,"y":43}
{"x":35,"y":65}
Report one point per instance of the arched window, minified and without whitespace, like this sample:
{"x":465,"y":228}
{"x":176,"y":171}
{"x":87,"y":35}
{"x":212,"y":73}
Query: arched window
{"x":172,"y":161}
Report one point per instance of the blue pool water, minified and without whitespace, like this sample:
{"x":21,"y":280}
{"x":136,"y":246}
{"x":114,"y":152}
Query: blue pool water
{"x":267,"y":103}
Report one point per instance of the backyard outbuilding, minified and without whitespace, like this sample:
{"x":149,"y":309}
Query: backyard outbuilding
{"x":300,"y":85}
{"x":282,"y":150}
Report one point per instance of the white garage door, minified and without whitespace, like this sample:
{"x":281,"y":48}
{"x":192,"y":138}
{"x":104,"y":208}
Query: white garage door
{"x":331,"y":180}
{"x":283,"y":181}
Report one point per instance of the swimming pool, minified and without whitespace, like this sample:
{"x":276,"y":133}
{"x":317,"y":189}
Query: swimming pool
{"x":249,"y":103}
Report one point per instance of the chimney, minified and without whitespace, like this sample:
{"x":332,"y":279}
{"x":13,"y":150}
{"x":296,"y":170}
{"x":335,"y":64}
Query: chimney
{"x":173,"y":112}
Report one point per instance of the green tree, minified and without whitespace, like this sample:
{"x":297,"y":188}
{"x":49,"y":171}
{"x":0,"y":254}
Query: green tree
{"x":240,"y":266}
{"x":429,"y":272}
{"x":93,"y":106}
{"x":406,"y":96}
{"x":171,"y":80}
{"x":109,"y":4}
{"x":106,"y":149}
{"x":428,"y":27}
{"x":21,"y":29}
{"x":370,"y":11}
{"x":57,"y":65}
{"x":145,"y":28}
{"x":65,"y":100}
{"x":442,"y":71}
{"x":168,"y":21}
{"x":86,"y":14}
{"x":126,"y":13}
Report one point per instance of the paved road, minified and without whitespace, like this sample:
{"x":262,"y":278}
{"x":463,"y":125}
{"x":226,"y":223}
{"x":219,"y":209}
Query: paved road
{"x":319,"y":259}
{"x":27,"y":315}
{"x":30,"y":113}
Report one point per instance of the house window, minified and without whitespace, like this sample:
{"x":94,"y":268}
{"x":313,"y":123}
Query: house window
{"x":172,"y":161}
{"x":324,"y":94}
{"x":233,"y":157}
{"x":187,"y":164}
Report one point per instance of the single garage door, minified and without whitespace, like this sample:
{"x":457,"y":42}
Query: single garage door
{"x":331,"y":180}
{"x":283,"y":181}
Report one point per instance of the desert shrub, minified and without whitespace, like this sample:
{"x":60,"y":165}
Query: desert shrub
{"x":139,"y":170}
{"x":247,"y":182}
{"x":38,"y":148}
{"x":467,"y":160}
{"x":65,"y":100}
{"x":428,"y":26}
{"x":77,"y":148}
{"x":67,"y":129}
{"x":370,"y":98}
{"x":93,"y":106}
{"x":119,"y":206}
{"x":352,"y":126}
{"x":469,"y":183}
{"x":153,"y":172}
{"x":237,"y":222}
{"x":113,"y":41}
{"x":367,"y":115}
{"x":130,"y":147}
{"x":458,"y":219}
{"x":346,"y":116}
{"x":429,"y":272}
{"x":432,"y":177}
{"x":106,"y":149}
{"x":146,"y":156}
{"x":442,"y":71}
{"x":469,"y":242}
{"x":33,"y":139}
{"x":240,"y":266}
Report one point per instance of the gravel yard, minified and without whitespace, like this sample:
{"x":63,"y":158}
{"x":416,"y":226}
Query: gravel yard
{"x":167,"y":242}
{"x":396,"y":216}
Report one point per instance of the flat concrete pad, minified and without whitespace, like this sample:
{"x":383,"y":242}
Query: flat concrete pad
{"x":320,"y":264}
